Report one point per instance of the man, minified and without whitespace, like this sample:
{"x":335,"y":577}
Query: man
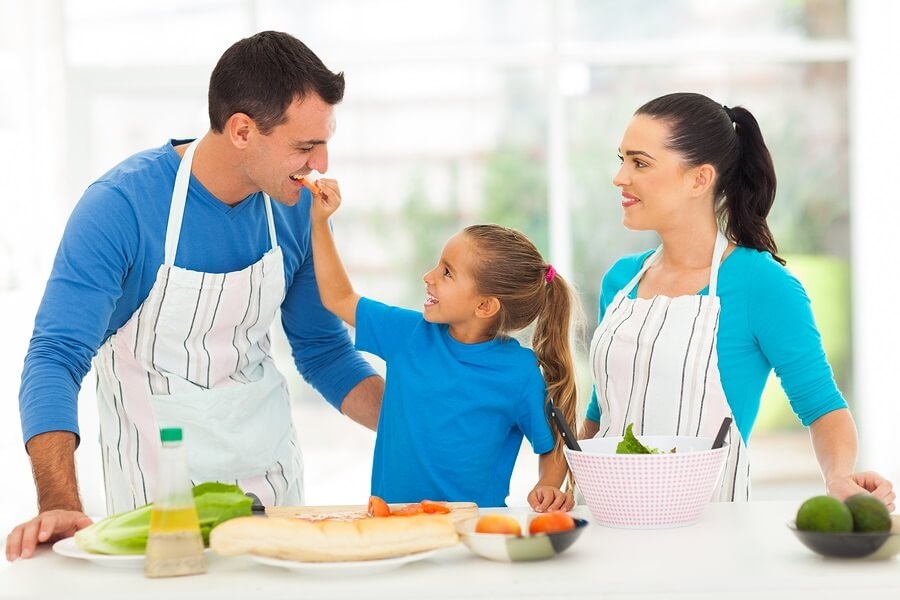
{"x":170,"y":271}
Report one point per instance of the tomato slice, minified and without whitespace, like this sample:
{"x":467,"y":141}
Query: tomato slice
{"x":408,"y":510}
{"x":378,"y":507}
{"x":434,"y":508}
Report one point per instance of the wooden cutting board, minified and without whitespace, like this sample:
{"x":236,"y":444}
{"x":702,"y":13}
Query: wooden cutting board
{"x":458,"y":511}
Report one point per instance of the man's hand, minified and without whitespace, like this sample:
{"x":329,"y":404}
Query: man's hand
{"x":47,"y":527}
{"x":59,"y":507}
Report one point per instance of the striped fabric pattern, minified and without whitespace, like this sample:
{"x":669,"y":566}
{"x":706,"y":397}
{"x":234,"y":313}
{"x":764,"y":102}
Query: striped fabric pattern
{"x":196,"y":354}
{"x":654,"y":365}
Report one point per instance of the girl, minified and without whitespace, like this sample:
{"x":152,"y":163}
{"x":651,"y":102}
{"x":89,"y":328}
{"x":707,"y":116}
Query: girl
{"x":689,"y":333}
{"x":460,"y":393}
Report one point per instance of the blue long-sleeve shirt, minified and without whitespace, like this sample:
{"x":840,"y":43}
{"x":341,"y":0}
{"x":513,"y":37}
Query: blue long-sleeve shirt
{"x":766,"y":323}
{"x":107,"y":262}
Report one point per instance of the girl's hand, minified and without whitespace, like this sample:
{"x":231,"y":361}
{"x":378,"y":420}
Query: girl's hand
{"x":546,"y":498}
{"x":326,"y":199}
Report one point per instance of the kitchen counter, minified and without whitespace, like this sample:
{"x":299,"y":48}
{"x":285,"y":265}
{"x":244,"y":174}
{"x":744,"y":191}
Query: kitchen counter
{"x":738,"y":551}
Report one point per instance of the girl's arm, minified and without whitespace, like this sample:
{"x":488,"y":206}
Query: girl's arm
{"x":335,"y":287}
{"x":547,"y":495}
{"x":835,"y":443}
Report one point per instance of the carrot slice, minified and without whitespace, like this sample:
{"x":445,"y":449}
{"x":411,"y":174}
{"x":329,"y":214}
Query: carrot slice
{"x":378,"y":507}
{"x":313,"y":187}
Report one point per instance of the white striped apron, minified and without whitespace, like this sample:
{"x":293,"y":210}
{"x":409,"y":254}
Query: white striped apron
{"x":654,"y":364}
{"x":196,"y":355}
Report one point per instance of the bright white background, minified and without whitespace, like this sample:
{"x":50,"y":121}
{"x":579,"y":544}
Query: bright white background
{"x":47,"y":109}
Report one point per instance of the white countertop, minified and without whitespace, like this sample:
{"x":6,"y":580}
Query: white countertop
{"x":735,"y":551}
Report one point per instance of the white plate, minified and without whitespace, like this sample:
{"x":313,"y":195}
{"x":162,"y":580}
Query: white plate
{"x":345,"y":568}
{"x":68,"y":547}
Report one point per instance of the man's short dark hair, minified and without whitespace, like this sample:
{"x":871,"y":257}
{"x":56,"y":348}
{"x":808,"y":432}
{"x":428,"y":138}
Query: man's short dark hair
{"x":262,"y":75}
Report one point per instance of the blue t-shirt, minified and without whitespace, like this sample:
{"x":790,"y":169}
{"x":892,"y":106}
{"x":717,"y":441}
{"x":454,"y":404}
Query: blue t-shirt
{"x":766,"y":323}
{"x":107,"y":262}
{"x":453,"y":414}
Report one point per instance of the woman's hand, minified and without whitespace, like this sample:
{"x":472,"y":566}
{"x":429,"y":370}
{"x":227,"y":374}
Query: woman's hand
{"x":858,"y":483}
{"x":834,"y":441}
{"x":546,"y":498}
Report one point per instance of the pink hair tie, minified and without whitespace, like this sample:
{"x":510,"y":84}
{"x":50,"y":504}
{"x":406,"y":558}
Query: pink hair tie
{"x":551,"y":273}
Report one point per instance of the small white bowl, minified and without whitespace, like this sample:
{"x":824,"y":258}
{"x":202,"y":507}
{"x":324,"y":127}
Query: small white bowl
{"x":514,"y":548}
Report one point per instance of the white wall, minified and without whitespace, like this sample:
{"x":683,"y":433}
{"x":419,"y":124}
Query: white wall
{"x":875,"y":209}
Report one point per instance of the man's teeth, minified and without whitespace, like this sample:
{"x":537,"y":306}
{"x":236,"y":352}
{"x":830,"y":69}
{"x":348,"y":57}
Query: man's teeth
{"x":296,"y":177}
{"x":429,"y":299}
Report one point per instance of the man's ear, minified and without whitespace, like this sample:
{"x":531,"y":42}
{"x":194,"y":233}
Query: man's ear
{"x":239,"y":127}
{"x":702,"y":179}
{"x":487,"y":308}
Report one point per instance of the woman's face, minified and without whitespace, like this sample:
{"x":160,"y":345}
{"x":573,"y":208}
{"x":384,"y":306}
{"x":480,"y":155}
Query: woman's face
{"x":656,"y":185}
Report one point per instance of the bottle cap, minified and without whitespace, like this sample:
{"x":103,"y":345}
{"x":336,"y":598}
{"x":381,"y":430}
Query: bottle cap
{"x":170,"y":434}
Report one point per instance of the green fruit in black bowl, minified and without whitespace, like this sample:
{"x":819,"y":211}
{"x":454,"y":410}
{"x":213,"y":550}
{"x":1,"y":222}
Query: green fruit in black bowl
{"x":870,"y":515}
{"x":826,"y":514}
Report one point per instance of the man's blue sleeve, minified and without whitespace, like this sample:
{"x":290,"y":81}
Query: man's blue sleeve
{"x":72,"y":320}
{"x":320,"y":342}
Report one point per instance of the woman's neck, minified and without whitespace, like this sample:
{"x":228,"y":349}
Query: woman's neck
{"x":688,"y":248}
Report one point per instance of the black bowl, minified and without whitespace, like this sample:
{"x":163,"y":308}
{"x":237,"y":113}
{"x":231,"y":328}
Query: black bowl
{"x":843,"y":545}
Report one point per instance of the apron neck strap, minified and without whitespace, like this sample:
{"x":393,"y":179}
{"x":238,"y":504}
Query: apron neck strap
{"x":718,"y":251}
{"x":179,"y":197}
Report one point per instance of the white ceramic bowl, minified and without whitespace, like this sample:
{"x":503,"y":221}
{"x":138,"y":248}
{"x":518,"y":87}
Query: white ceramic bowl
{"x":647,"y":490}
{"x":516,"y":548}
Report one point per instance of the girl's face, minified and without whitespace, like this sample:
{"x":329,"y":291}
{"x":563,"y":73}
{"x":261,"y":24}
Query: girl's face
{"x":451,"y":294}
{"x":657,"y":188}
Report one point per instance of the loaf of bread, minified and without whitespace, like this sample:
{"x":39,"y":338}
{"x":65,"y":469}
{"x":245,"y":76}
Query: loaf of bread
{"x":331,"y":541}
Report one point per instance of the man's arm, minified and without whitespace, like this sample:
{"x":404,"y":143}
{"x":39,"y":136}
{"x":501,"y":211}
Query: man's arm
{"x":53,"y":465}
{"x":363,"y":403}
{"x":59,"y":507}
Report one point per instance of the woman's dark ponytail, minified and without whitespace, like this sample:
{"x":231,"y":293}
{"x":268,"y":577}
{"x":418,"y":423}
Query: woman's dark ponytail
{"x":749,"y":193}
{"x":729,"y":139}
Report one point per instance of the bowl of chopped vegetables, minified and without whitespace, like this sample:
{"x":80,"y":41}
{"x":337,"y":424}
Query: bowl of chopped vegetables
{"x":651,"y":482}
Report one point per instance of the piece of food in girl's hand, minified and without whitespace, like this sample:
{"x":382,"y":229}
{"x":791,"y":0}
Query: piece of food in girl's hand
{"x":126,"y":533}
{"x":312,"y":186}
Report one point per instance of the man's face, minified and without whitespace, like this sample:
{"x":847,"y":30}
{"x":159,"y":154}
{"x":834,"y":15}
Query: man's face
{"x":276,"y":161}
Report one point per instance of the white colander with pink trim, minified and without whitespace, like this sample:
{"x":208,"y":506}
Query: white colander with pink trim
{"x":648,"y":490}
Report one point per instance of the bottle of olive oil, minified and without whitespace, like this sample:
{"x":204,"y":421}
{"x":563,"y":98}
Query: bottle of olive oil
{"x":174,"y":543}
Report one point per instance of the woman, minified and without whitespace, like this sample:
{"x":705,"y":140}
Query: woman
{"x":689,"y":333}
